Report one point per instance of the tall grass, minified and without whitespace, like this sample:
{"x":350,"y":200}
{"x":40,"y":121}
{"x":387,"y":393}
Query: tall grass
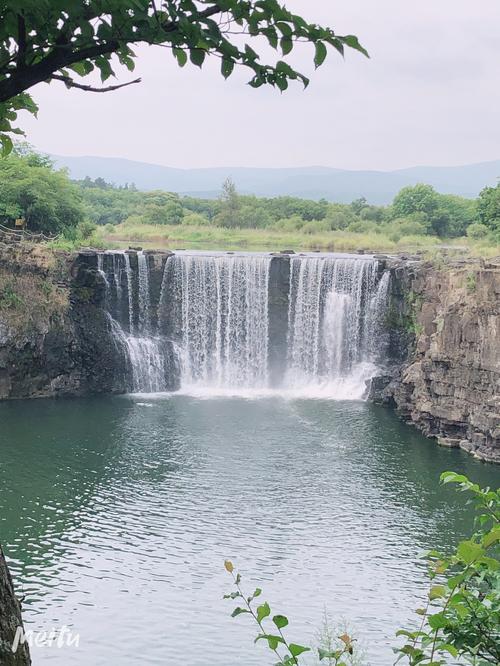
{"x":190,"y":237}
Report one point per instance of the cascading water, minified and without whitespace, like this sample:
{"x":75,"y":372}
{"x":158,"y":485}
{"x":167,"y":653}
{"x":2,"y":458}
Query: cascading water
{"x":213,"y":314}
{"x":217,"y":308}
{"x":334,"y":324}
{"x":146,"y":352}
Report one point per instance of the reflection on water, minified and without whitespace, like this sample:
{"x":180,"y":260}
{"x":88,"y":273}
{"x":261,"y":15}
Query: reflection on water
{"x":117,"y":514}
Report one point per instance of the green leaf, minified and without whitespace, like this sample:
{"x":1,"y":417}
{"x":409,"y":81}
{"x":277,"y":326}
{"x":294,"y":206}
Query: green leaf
{"x":353,"y":43}
{"x":286,"y":45}
{"x":282,"y":83}
{"x":181,"y":56}
{"x":320,"y":54}
{"x":296,"y":650}
{"x":81,"y":68}
{"x":284,"y":28}
{"x":239,"y":611}
{"x":446,"y":647}
{"x":329,"y":654}
{"x":491,"y":537}
{"x":104,"y":67}
{"x":437,"y":592}
{"x":227,"y":67}
{"x":437,"y":621}
{"x":280,"y":621}
{"x":197,"y":56}
{"x":263,"y":611}
{"x":469,"y":551}
{"x":7,"y":144}
{"x":272,"y":640}
{"x":257,"y":593}
{"x":453,"y":477}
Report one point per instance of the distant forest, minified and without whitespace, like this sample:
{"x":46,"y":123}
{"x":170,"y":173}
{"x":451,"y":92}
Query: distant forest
{"x":32,"y":188}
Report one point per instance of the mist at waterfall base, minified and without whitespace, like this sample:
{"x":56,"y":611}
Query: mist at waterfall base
{"x":214,"y":310}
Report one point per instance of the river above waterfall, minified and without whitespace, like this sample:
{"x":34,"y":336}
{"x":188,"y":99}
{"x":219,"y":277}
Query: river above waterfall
{"x":117,"y":514}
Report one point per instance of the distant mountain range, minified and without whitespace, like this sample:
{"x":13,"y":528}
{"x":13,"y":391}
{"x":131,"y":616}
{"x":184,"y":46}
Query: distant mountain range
{"x":378,"y":187}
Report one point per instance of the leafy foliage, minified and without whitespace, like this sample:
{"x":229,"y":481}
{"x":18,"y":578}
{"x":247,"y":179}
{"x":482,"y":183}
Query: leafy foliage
{"x":445,"y":215}
{"x":410,"y":215}
{"x":462,"y":616}
{"x":489,"y":209}
{"x":49,"y":41}
{"x":31,"y":188}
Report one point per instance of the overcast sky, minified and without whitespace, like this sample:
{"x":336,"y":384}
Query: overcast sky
{"x":429,"y":95}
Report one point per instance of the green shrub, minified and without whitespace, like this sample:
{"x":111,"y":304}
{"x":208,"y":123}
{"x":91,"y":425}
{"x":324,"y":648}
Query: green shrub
{"x":292,"y":223}
{"x":471,"y":282}
{"x":86,"y":229}
{"x":195,"y":220}
{"x":314,"y":227}
{"x":363,"y":227}
{"x":9,"y":299}
{"x":477,"y":231}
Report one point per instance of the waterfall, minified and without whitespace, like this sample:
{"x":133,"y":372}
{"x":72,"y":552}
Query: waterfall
{"x":146,"y":353}
{"x":144,"y":294}
{"x":218,"y":311}
{"x":333,"y":324}
{"x":210,"y":323}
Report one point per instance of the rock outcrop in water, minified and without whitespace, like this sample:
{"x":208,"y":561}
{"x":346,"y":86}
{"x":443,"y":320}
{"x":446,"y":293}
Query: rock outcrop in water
{"x":450,"y":386}
{"x":10,"y":620}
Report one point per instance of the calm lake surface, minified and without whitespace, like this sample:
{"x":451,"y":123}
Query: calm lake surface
{"x":117,"y":514}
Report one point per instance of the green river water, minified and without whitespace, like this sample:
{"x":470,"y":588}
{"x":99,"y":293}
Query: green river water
{"x":116,"y":515}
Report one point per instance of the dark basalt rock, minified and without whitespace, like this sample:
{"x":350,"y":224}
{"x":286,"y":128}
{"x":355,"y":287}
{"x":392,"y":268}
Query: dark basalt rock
{"x":279,"y":281}
{"x":449,"y":386}
{"x":10,"y":621}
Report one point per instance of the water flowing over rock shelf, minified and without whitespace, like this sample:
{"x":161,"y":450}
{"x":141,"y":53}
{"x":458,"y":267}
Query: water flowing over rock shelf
{"x":403,"y":332}
{"x":217,"y":322}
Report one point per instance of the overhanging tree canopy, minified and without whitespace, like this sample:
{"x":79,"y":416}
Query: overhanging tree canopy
{"x":46,"y":40}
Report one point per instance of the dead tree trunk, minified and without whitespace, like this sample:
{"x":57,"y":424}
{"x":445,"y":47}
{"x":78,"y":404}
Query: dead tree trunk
{"x":10,"y":620}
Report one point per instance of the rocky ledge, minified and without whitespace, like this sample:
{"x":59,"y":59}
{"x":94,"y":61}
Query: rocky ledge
{"x":450,"y":385}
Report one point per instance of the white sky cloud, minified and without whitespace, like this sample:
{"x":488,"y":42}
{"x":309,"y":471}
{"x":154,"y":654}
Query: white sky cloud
{"x":430,"y":94}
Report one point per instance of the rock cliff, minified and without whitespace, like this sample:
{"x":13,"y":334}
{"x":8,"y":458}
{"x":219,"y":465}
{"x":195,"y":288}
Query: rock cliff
{"x":10,"y":620}
{"x":450,"y":385}
{"x":54,"y":335}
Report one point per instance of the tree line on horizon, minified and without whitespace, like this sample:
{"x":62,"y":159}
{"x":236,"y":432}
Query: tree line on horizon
{"x":32,"y":188}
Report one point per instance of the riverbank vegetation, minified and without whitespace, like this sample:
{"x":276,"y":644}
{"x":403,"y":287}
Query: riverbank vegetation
{"x":97,"y":213}
{"x":459,"y":620}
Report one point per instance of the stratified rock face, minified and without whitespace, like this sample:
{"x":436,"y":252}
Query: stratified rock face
{"x":450,"y":388}
{"x":10,"y":621}
{"x":55,"y":336}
